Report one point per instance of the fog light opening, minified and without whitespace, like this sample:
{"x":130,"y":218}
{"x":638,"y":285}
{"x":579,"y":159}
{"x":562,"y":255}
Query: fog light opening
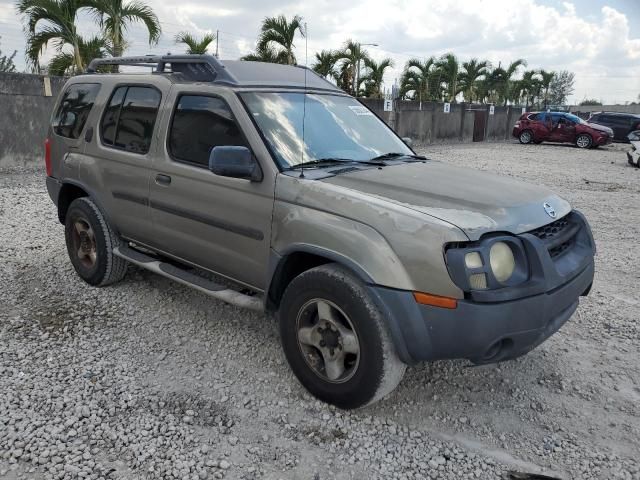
{"x":498,"y":350}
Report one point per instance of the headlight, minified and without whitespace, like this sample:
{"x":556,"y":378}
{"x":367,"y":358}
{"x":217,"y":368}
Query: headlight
{"x":489,"y":264}
{"x":502,"y":261}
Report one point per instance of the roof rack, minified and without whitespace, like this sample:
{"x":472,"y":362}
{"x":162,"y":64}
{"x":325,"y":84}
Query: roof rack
{"x":204,"y":68}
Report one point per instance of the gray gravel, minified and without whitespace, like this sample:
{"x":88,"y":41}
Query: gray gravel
{"x":149,"y":379}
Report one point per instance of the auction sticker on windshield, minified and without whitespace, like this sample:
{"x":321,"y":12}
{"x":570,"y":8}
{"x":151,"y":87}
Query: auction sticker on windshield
{"x":360,"y":110}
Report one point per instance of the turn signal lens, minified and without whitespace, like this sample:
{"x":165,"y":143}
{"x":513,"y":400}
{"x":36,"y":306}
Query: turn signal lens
{"x":478,"y":281}
{"x":435,"y":300}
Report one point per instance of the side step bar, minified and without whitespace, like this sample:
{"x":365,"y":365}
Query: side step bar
{"x":190,"y":279}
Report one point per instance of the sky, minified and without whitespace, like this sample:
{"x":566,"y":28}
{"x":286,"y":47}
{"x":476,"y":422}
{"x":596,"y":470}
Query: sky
{"x":597,"y":40}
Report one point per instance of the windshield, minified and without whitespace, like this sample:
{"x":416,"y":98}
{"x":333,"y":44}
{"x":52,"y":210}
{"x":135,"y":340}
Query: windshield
{"x":334,"y":127}
{"x":574,"y":118}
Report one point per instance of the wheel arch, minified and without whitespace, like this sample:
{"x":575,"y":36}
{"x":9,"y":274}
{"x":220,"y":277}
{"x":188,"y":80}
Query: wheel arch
{"x":71,"y":190}
{"x":297,"y":259}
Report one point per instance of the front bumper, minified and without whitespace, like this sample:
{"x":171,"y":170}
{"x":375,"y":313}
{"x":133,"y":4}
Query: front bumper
{"x":498,"y":325}
{"x":603,"y":140}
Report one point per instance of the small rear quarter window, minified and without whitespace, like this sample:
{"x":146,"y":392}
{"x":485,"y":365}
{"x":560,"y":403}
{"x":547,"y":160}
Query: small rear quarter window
{"x":74,"y":109}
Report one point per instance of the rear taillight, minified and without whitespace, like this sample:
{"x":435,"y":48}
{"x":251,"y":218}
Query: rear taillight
{"x":47,"y":156}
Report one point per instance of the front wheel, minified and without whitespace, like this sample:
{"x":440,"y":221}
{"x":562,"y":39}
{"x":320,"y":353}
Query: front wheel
{"x":335,"y":338}
{"x":525,"y":137}
{"x":583,"y":141}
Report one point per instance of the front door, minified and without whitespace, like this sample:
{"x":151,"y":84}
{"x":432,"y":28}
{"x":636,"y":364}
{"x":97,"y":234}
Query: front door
{"x":220,"y":223}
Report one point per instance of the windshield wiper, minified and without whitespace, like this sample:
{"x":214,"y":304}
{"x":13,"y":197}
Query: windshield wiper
{"x":396,"y":155}
{"x":333,"y":160}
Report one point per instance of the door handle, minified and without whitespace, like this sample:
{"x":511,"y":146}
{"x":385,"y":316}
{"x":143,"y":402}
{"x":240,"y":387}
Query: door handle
{"x":162,"y":179}
{"x":88,"y":135}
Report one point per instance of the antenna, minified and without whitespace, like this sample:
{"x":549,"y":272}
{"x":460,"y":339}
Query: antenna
{"x":304,"y":99}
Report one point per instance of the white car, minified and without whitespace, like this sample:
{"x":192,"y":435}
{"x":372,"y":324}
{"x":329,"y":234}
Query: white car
{"x":633,"y":155}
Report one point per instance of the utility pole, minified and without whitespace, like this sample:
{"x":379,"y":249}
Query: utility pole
{"x":217,"y":40}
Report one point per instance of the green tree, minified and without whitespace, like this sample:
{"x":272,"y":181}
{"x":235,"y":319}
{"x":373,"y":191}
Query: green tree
{"x":374,"y":76}
{"x":351,"y":56}
{"x":51,"y":21}
{"x":63,"y":63}
{"x":277,"y":36}
{"x":499,"y":85}
{"x":448,"y":71}
{"x":325,"y":64}
{"x":561,"y":87}
{"x":529,"y":87}
{"x":590,"y":102}
{"x":266,"y":54}
{"x":195,"y":45}
{"x":6,"y":62}
{"x":545,"y":82}
{"x":416,"y":79}
{"x":472,"y":72}
{"x":115,"y":17}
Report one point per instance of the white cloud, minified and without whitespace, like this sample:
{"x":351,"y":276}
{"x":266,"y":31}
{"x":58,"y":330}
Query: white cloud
{"x":600,"y":47}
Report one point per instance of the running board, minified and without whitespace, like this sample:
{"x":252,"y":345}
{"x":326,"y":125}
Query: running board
{"x":192,"y":280}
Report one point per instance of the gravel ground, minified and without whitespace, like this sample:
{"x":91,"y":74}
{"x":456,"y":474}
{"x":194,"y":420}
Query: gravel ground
{"x":149,"y":379}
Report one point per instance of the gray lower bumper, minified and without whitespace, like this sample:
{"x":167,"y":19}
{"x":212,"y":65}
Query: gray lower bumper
{"x":480,"y":332}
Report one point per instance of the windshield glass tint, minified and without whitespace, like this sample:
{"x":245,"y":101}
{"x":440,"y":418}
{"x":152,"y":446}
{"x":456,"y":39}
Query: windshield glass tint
{"x":574,"y":118}
{"x":334,"y":127}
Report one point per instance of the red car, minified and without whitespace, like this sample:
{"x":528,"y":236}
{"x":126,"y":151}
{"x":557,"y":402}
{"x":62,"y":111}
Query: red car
{"x":538,"y":127}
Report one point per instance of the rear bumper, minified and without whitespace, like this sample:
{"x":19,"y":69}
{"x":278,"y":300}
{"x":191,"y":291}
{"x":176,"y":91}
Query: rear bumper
{"x":479,"y":332}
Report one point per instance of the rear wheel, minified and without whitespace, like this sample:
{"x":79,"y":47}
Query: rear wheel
{"x":90,"y":243}
{"x":583,"y":141}
{"x":335,"y":338}
{"x":525,"y":137}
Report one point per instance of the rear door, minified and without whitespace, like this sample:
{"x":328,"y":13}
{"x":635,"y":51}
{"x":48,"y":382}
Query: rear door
{"x":220,"y":223}
{"x":66,"y":136}
{"x":121,"y":156}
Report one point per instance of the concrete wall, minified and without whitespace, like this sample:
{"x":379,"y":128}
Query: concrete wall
{"x":24,"y":113}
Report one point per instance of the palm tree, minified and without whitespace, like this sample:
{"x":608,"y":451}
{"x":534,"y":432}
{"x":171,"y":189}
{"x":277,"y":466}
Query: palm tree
{"x":469,"y":78}
{"x":279,"y":34}
{"x":195,"y":46}
{"x":118,"y":17}
{"x":448,"y":68}
{"x":64,"y":63}
{"x":529,"y":87}
{"x":266,"y":54}
{"x":374,"y":77}
{"x":351,"y":55}
{"x":545,"y":81}
{"x":325,"y":64}
{"x":417,"y":78}
{"x":51,"y":21}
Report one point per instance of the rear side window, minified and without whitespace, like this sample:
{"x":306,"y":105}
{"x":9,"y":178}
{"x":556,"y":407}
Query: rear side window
{"x":74,"y":109}
{"x":199,"y":124}
{"x":130,"y":117}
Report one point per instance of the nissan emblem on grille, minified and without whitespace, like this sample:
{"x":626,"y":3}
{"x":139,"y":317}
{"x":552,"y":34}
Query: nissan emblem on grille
{"x":550,"y":210}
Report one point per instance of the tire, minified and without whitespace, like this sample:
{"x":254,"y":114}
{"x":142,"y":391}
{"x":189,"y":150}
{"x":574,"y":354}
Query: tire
{"x":584,"y":140}
{"x":90,"y":243}
{"x":525,"y":137}
{"x":329,"y":307}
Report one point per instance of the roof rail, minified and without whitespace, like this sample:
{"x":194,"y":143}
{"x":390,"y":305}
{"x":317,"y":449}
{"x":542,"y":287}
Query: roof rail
{"x":206,"y":68}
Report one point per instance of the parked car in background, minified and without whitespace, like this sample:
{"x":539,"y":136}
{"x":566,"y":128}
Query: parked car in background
{"x":633,"y":155}
{"x":538,"y":127}
{"x":622,"y":124}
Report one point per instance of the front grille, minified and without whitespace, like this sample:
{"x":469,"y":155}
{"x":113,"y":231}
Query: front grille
{"x":551,"y":230}
{"x":558,"y":236}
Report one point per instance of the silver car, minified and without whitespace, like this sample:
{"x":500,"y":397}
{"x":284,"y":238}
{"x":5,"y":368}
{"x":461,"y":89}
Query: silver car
{"x":267,"y":187}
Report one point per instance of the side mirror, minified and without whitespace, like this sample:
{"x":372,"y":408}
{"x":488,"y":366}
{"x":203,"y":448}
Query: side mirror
{"x":235,"y":162}
{"x":408,"y":142}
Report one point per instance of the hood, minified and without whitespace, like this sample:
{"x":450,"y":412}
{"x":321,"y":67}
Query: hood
{"x":600,"y":128}
{"x":476,"y":202}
